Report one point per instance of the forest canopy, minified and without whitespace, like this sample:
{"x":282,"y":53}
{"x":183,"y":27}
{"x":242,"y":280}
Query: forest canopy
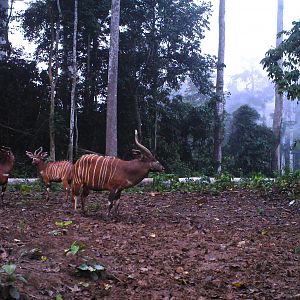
{"x":283,"y":63}
{"x":158,"y":55}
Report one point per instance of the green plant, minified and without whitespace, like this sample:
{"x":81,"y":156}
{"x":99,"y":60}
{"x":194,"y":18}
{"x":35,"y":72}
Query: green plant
{"x":172,"y":183}
{"x":223,"y":181}
{"x":260,"y":211}
{"x":25,"y":189}
{"x":8,"y":290}
{"x":63,"y":224}
{"x":38,"y":185}
{"x":75,"y":248}
{"x":257,"y":181}
{"x":163,"y":182}
{"x":289,"y":184}
{"x":296,"y":250}
{"x":92,"y":270}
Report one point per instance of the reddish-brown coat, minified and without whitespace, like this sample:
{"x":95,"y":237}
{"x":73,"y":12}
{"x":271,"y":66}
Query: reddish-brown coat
{"x":94,"y":172}
{"x":59,"y":171}
{"x":6,"y":165}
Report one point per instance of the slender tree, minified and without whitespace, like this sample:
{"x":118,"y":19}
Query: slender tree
{"x":5,"y":17}
{"x":219,"y":101}
{"x":277,"y":119}
{"x":74,"y":79}
{"x":53,"y":74}
{"x":111,"y":117}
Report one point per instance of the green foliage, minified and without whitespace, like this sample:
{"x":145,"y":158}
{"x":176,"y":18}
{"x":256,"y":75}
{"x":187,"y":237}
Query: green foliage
{"x":289,"y":184}
{"x":75,"y":248}
{"x":258,"y":182}
{"x":63,"y":223}
{"x":38,"y":185}
{"x":25,"y":189}
{"x":93,"y":270}
{"x":171,"y":183}
{"x":8,"y":290}
{"x":296,"y":250}
{"x":249,"y":147}
{"x":185,"y":142}
{"x":287,"y":75}
{"x":161,"y":182}
{"x":23,"y":109}
{"x":260,"y":211}
{"x":157,"y":53}
{"x":223,"y":181}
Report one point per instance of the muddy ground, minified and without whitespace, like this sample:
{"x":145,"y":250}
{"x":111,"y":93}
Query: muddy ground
{"x":237,"y":245}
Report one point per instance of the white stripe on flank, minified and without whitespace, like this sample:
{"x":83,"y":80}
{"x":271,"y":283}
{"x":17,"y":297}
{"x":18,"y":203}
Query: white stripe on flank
{"x":81,"y":169}
{"x":105,"y":172}
{"x":112,"y":165}
{"x":76,"y":171}
{"x":84,"y":168}
{"x":100,"y":174}
{"x":89,"y":171}
{"x":99,"y":158}
{"x":111,"y":169}
{"x":117,"y":162}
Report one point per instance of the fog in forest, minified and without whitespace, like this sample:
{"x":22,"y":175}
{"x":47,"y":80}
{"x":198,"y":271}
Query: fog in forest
{"x":250,"y":33}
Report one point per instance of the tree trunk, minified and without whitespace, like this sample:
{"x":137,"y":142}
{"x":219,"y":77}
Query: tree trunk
{"x":138,"y":114}
{"x":6,"y":12}
{"x":52,"y":89}
{"x":155,"y":129}
{"x":219,"y":103}
{"x":111,"y":116}
{"x":277,"y":119}
{"x":53,"y":57}
{"x":74,"y":79}
{"x":135,"y":87}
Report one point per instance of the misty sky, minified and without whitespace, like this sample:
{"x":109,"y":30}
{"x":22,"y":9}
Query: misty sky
{"x":250,"y":31}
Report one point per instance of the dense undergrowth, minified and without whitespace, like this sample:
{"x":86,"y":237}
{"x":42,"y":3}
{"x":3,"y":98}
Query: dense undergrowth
{"x":287,"y":184}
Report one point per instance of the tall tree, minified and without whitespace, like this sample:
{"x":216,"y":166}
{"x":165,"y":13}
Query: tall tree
{"x":53,"y":66}
{"x":159,"y":49}
{"x":111,"y":117}
{"x":249,"y":145}
{"x":5,"y":17}
{"x":277,"y":119}
{"x":219,"y":101}
{"x":74,"y":79}
{"x":157,"y":52}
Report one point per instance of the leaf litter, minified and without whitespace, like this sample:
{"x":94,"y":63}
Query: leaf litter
{"x":236,"y":245}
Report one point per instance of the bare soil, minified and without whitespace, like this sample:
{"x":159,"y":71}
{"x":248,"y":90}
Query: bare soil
{"x":237,"y":245}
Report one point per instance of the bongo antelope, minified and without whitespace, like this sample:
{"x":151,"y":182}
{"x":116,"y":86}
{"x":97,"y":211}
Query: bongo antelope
{"x":6,"y":164}
{"x":94,"y":172}
{"x":58,"y":171}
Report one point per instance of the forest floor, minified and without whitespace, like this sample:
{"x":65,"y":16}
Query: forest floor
{"x":236,"y":245}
